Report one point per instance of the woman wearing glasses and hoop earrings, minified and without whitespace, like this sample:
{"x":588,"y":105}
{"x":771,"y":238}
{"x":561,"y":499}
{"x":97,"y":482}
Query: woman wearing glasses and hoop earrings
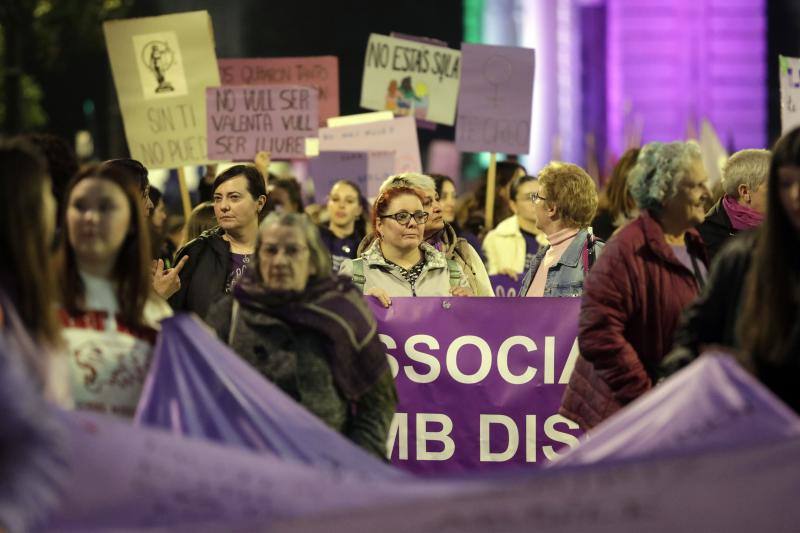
{"x":399,"y":262}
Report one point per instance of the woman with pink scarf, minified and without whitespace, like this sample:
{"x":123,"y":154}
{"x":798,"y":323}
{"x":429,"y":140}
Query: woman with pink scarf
{"x":742,"y":206}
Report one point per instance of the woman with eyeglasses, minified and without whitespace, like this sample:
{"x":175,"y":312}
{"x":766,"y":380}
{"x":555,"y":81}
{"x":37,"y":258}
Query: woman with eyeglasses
{"x":310,"y":332}
{"x":399,"y":262}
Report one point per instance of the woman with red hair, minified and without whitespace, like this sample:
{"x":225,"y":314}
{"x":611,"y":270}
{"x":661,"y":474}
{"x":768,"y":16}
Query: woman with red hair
{"x":399,"y":262}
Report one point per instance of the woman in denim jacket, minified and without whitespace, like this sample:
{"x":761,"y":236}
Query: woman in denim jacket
{"x":564,"y":205}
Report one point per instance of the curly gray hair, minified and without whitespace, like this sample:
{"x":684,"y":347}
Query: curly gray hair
{"x":658,"y":170}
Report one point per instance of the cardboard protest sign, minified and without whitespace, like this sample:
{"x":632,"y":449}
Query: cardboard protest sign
{"x":398,"y":135}
{"x":790,"y":92}
{"x":320,"y":72}
{"x":365,"y":169}
{"x":411,"y":79}
{"x":161,"y":67}
{"x":495,"y":99}
{"x":244,"y":120}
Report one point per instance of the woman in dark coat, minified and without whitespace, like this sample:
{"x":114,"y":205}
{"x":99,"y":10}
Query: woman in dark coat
{"x":633,"y":297}
{"x":310,"y":333}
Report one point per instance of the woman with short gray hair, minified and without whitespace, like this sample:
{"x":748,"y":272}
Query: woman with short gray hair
{"x":744,"y":203}
{"x":310,"y":332}
{"x":648,"y":273}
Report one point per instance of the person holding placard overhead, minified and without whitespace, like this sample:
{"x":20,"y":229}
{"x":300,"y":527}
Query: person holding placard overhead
{"x":219,"y":257}
{"x":399,"y":262}
{"x":440,"y":234}
{"x":347,"y":225}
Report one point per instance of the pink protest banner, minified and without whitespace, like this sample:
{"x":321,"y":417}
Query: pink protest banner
{"x":495,"y":99}
{"x":320,"y":72}
{"x":244,"y":120}
{"x":398,"y":135}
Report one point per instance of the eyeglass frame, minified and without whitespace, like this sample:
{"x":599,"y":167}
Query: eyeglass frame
{"x":415,"y":215}
{"x":290,"y":254}
{"x":533,"y":196}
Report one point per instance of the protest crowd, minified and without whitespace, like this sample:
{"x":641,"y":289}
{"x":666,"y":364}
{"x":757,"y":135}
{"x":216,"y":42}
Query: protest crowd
{"x":295,"y":286}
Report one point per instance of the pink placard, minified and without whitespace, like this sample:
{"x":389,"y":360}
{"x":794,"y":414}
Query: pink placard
{"x":320,"y":72}
{"x":398,"y":135}
{"x":244,"y":120}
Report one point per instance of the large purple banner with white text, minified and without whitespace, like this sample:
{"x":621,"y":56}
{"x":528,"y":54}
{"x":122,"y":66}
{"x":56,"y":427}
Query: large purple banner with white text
{"x":479,"y":380}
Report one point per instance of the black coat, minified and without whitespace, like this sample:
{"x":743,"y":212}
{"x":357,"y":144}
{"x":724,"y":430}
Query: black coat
{"x":716,"y":229}
{"x":711,"y":320}
{"x":205,"y":274}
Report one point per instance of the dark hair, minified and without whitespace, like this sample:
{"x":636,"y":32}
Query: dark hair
{"x":292,"y":188}
{"x":616,"y":198}
{"x":769,"y":309}
{"x":255,"y":181}
{"x":25,"y":273}
{"x":155,"y":196}
{"x":132,"y":268}
{"x":384,"y":199}
{"x":131,"y":171}
{"x":362,"y":222}
{"x":504,"y":174}
{"x":62,"y":163}
{"x":517,"y":183}
{"x":439,"y":180}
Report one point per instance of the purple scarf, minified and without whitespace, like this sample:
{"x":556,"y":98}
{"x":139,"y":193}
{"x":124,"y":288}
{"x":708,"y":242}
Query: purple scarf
{"x":741,"y":216}
{"x":335,"y":309}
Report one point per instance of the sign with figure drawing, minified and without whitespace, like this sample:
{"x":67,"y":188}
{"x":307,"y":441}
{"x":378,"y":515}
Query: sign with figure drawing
{"x":495,"y":99}
{"x":411,"y":78}
{"x":161,"y":67}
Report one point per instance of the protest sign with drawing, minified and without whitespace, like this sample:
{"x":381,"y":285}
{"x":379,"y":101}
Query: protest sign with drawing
{"x":161,"y":67}
{"x":411,"y":79}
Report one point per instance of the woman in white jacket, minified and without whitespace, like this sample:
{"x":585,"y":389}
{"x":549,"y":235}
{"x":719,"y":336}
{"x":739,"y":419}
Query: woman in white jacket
{"x":398,"y":262}
{"x":512,"y":245}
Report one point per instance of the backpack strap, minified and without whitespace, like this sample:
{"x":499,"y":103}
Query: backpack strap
{"x":455,"y":272}
{"x":589,"y":253}
{"x":359,"y":280}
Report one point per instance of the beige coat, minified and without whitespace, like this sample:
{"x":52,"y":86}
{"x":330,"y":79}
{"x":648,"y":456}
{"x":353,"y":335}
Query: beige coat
{"x":433,"y":281}
{"x":505,"y":247}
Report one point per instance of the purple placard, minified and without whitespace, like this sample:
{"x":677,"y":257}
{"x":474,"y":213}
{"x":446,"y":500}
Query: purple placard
{"x":366,"y":169}
{"x":495,"y":99}
{"x":245,"y":120}
{"x":471,"y":368}
{"x":504,"y":285}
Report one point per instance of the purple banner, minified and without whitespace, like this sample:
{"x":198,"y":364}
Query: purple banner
{"x":505,"y":286}
{"x":495,"y":99}
{"x":480,"y":380}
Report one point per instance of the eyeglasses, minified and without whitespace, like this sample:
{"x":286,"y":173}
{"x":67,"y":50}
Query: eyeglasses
{"x":291,"y":251}
{"x":533,"y":196}
{"x":404,"y":217}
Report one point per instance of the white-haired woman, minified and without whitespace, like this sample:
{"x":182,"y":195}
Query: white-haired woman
{"x":648,"y":273}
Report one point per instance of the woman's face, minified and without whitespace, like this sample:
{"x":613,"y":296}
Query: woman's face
{"x":400,"y":236}
{"x":687,"y":207}
{"x":284,"y":258}
{"x":789,"y":193}
{"x":98,"y":220}
{"x":448,"y":201}
{"x":158,"y":216}
{"x":433,"y":207}
{"x":234,"y":206}
{"x":343,"y":205}
{"x":522,"y":205}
